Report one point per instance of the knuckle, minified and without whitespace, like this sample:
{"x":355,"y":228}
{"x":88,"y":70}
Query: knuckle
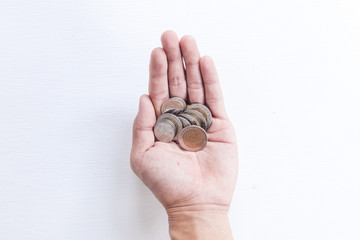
{"x":195,"y":85}
{"x":159,"y":96}
{"x":213,"y":100}
{"x":158,"y":70}
{"x":173,"y":54}
{"x":192,"y":62}
{"x":210,"y":82}
{"x":176,"y":81}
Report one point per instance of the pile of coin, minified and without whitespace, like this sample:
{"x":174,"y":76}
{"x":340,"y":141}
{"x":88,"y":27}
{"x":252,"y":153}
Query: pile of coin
{"x":185,"y":124}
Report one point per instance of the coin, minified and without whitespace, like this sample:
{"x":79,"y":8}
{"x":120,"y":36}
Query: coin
{"x":176,"y":105}
{"x":184,"y":121}
{"x":192,"y":138}
{"x":164,"y":130}
{"x":185,"y":124}
{"x":196,"y":114}
{"x":190,"y":118}
{"x":174,"y":119}
{"x":204,"y":111}
{"x":170,"y":110}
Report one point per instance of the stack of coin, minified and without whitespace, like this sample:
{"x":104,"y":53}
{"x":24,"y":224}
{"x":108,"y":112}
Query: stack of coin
{"x":185,"y":124}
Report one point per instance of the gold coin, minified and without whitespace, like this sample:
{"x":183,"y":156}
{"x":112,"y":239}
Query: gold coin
{"x":192,"y":138}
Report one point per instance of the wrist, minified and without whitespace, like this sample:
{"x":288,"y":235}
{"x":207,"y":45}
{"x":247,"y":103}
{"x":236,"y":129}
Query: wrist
{"x":198,"y":222}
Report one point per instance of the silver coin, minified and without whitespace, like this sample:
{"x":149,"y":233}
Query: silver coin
{"x":173,"y":111}
{"x":164,"y":130}
{"x":169,"y":110}
{"x":184,"y":121}
{"x":174,"y":119}
{"x":204,"y":111}
{"x":201,"y":119}
{"x":176,"y":105}
{"x":190,"y":118}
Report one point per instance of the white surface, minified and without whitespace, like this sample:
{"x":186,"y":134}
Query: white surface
{"x":71,"y":73}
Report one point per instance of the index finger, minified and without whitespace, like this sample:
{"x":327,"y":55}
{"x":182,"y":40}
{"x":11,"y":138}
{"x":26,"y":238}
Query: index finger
{"x":213,"y":94}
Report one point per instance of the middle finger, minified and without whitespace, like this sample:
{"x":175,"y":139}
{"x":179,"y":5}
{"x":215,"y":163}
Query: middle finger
{"x":191,"y":56}
{"x":176,"y":75}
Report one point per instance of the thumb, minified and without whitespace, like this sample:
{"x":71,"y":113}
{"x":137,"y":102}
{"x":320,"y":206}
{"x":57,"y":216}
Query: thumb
{"x":143,"y":136}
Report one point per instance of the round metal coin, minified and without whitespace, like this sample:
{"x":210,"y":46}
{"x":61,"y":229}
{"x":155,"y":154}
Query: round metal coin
{"x":192,"y":138}
{"x":184,"y":121}
{"x":204,"y":111}
{"x":177,"y":104}
{"x":174,"y":119}
{"x":169,"y":110}
{"x":196,"y":114}
{"x":164,"y":130}
{"x":190,"y":118}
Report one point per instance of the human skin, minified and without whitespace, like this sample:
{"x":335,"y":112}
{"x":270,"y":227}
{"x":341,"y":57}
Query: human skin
{"x":195,"y":188}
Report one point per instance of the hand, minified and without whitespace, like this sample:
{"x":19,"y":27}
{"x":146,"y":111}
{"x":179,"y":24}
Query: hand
{"x":193,"y":186}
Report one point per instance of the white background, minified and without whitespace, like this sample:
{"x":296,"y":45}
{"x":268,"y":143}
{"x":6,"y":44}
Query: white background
{"x":71,"y":73}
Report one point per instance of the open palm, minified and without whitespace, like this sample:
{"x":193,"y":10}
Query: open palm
{"x":179,"y":178}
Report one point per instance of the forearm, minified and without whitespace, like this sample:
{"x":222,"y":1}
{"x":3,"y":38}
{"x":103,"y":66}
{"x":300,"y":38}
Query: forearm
{"x":192,"y":224}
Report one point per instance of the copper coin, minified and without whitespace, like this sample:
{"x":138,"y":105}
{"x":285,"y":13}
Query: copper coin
{"x":192,"y":138}
{"x":164,"y":130}
{"x":176,"y":104}
{"x":204,"y":111}
{"x":190,"y":118}
{"x":174,"y":119}
{"x":184,"y":121}
{"x":196,"y":114}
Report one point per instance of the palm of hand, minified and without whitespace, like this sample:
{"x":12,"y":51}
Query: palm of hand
{"x":177,"y":177}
